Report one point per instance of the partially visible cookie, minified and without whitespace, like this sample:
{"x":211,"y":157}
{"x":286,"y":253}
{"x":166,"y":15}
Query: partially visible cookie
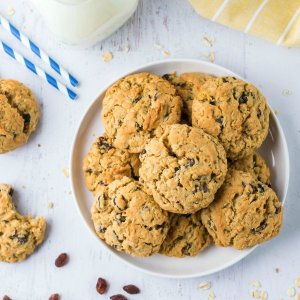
{"x":188,"y":86}
{"x":19,"y":114}
{"x":187,"y":236}
{"x":19,"y":235}
{"x":138,"y":106}
{"x":255,"y":165}
{"x":246,"y":212}
{"x":128,"y":219}
{"x":235,"y":112}
{"x":104,"y":163}
{"x":183,"y":169}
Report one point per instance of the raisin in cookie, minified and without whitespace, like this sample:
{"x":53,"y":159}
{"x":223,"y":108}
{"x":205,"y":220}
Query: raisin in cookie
{"x":183,"y":169}
{"x":255,"y":165}
{"x":19,"y":114}
{"x":19,"y":235}
{"x":188,"y":86}
{"x":136,"y":107}
{"x":128,"y":219}
{"x":246,"y":212}
{"x":235,"y":112}
{"x":187,"y":236}
{"x":104,"y":163}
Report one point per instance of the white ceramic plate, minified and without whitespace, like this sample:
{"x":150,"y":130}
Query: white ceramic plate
{"x":214,"y":259}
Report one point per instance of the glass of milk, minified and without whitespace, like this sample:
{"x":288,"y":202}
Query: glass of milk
{"x":85,"y":22}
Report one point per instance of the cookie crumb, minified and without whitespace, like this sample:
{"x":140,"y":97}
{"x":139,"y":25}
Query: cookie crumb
{"x":256,"y":294}
{"x":211,"y":295}
{"x":287,"y":92}
{"x":256,"y":283}
{"x":39,"y":145}
{"x":50,"y":205}
{"x":264,"y":295}
{"x":277,"y":270}
{"x":66,"y":172}
{"x":291,"y":292}
{"x":207,"y":41}
{"x":211,"y":56}
{"x":204,"y":285}
{"x":10,"y":11}
{"x":107,"y":56}
{"x":297,"y":282}
{"x":158,"y":46}
{"x":126,"y":49}
{"x":166,"y":53}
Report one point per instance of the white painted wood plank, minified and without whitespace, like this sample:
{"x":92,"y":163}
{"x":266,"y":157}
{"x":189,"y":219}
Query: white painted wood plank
{"x":176,"y":26}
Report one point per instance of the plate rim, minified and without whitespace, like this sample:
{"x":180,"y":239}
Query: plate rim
{"x":72,"y":155}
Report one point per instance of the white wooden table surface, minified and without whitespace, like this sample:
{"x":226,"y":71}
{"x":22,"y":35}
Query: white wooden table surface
{"x":36,"y":172}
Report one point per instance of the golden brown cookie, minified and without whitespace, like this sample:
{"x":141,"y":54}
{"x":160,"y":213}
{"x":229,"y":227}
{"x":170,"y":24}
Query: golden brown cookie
{"x":19,"y":235}
{"x":246,"y":212}
{"x":128,"y":219}
{"x":183,"y":169}
{"x":235,"y":112}
{"x":187,"y":236}
{"x":188,"y":86}
{"x":19,"y":114}
{"x":255,"y":165}
{"x":136,"y":107}
{"x":104,"y":163}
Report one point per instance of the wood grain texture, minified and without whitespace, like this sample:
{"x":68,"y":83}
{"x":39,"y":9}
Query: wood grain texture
{"x":36,"y":172}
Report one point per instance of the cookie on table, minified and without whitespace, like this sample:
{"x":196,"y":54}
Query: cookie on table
{"x":128,"y":219}
{"x":235,"y":112}
{"x":246,"y":212}
{"x":138,"y":106}
{"x":188,"y":86}
{"x":183,"y":169}
{"x":104,"y":163}
{"x":19,"y":114}
{"x":19,"y":235}
{"x":255,"y":165}
{"x":187,"y":236}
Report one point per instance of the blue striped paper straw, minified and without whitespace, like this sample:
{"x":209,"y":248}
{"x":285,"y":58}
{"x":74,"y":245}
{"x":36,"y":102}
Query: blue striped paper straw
{"x":38,"y":71}
{"x":38,"y":51}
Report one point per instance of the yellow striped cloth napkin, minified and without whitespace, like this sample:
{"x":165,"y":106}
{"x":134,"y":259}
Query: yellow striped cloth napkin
{"x":277,"y":21}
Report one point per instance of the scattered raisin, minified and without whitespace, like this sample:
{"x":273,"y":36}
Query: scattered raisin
{"x":118,"y":297}
{"x":131,"y":289}
{"x":54,"y":297}
{"x":101,"y":286}
{"x":5,"y":297}
{"x":61,"y":260}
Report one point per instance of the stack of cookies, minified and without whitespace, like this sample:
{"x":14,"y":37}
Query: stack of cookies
{"x":177,"y":168}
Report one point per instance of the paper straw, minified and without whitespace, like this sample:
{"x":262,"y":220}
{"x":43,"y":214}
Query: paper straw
{"x":38,"y":71}
{"x":38,"y":51}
